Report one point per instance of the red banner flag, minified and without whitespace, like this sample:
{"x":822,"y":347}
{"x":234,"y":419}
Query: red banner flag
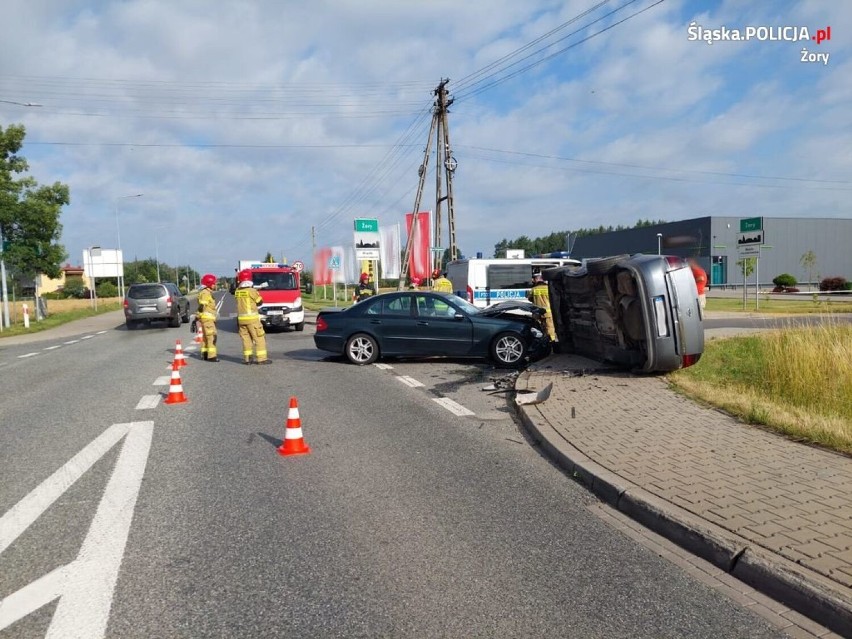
{"x":420,"y":240}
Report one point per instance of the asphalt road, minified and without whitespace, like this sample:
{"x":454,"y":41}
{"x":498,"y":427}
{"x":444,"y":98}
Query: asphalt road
{"x":409,"y":518}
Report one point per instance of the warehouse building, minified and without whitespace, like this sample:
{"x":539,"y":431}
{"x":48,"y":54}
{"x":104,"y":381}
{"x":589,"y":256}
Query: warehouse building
{"x":719,"y":243}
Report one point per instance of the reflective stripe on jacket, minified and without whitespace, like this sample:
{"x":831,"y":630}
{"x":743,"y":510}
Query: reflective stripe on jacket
{"x":540,"y":296}
{"x":248,"y":299}
{"x":206,"y":305}
{"x":442,"y":285}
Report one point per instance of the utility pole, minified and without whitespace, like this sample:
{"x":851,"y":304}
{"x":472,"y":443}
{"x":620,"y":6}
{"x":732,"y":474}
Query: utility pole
{"x":445,"y":168}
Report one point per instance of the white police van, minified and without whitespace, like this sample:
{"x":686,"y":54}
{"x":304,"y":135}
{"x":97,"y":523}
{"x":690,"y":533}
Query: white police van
{"x":483,"y":281}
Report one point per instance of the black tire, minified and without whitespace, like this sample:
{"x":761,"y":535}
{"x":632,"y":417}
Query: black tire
{"x":361,"y":349}
{"x":299,"y":327}
{"x":598,"y":266}
{"x":130,"y":324}
{"x":509,"y":350}
{"x":185,"y":317}
{"x":174,"y":322}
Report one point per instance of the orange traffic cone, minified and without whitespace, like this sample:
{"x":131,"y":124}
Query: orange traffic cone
{"x":293,"y":443}
{"x":180,"y":358}
{"x":176,"y":395}
{"x":199,"y":334}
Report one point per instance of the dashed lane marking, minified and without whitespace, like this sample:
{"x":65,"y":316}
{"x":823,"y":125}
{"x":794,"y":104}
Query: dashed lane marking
{"x":409,"y":381}
{"x":27,"y":355}
{"x":453,"y":407}
{"x":87,"y":337}
{"x":73,"y":341}
{"x":50,"y":348}
{"x":148,"y":401}
{"x":384,"y":367}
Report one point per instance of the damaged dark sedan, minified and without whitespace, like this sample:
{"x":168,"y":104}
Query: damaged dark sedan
{"x":638,"y":311}
{"x":428,"y":324}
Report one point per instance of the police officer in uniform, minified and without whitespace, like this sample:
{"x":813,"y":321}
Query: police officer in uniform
{"x":248,"y":319}
{"x":440,"y":283}
{"x":364,"y":288}
{"x":540,"y":296}
{"x":207,"y":316}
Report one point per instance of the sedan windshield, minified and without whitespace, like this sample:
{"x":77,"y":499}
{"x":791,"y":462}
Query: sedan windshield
{"x":464,"y":305}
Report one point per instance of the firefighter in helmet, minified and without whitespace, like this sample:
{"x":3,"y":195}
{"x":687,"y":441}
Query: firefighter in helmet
{"x":248,"y":319}
{"x":540,"y":296}
{"x":207,"y":317}
{"x":440,"y":283}
{"x":364,"y":288}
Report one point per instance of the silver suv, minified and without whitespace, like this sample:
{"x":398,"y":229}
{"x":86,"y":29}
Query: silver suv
{"x":638,"y":311}
{"x":158,"y":301}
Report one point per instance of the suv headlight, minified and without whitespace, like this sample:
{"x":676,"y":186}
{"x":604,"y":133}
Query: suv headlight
{"x":536,"y":333}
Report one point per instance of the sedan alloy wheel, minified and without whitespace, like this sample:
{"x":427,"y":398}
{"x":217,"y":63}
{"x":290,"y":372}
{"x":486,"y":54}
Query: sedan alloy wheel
{"x":508,"y":349}
{"x":362,"y":349}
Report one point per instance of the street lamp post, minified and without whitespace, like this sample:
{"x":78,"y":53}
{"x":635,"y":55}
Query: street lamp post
{"x":659,"y":243}
{"x":118,"y":237}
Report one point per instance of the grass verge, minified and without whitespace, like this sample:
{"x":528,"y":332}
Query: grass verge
{"x":796,"y":381}
{"x":59,"y":318}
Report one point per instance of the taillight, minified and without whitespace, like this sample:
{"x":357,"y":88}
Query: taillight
{"x":126,"y":303}
{"x":168,"y":302}
{"x":321,"y":324}
{"x":470,"y":295}
{"x":674,"y":262}
{"x":689,"y":360}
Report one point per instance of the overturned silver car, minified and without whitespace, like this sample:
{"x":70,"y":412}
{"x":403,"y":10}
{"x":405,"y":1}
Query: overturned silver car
{"x":638,"y":311}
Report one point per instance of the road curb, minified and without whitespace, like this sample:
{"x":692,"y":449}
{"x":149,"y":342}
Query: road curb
{"x":802,"y":590}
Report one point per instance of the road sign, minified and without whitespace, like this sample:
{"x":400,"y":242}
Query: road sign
{"x":751,"y":224}
{"x":366,"y":225}
{"x":298,"y":266}
{"x":334,"y":263}
{"x":749,"y":249}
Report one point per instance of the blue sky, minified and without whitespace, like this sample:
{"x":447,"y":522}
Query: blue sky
{"x":248,"y":126}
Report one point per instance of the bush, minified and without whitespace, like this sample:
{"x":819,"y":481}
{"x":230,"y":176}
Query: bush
{"x":785,"y":280}
{"x":74,"y":290}
{"x":107,"y":289}
{"x":833,"y":284}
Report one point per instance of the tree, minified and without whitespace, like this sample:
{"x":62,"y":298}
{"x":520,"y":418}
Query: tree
{"x":808,"y":262}
{"x":29,"y":213}
{"x":747,"y":265}
{"x":269,"y":259}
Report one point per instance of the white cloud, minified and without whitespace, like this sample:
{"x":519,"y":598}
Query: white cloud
{"x":247,"y":126}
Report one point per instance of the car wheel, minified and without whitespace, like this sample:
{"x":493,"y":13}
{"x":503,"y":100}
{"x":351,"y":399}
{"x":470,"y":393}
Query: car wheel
{"x":130,"y":324}
{"x":185,"y":317}
{"x":362,"y":349}
{"x":508,"y":349}
{"x":603,"y":265}
{"x":299,"y":327}
{"x":174,"y":322}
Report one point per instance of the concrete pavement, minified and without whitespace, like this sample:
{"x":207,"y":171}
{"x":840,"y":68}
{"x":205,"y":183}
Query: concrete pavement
{"x":772,"y":512}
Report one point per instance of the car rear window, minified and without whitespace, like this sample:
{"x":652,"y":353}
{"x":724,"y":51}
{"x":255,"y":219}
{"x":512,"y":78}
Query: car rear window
{"x":146,"y":292}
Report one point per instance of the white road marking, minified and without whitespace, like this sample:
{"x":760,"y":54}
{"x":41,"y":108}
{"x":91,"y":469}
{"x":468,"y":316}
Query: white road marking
{"x":384,"y":367}
{"x":26,"y":511}
{"x":73,"y":341}
{"x":162,"y":381}
{"x":50,"y":348}
{"x":100,"y":332}
{"x":85,"y":587}
{"x":453,"y":407}
{"x":409,"y":381}
{"x":87,"y":337}
{"x":27,"y":355}
{"x":148,"y":401}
